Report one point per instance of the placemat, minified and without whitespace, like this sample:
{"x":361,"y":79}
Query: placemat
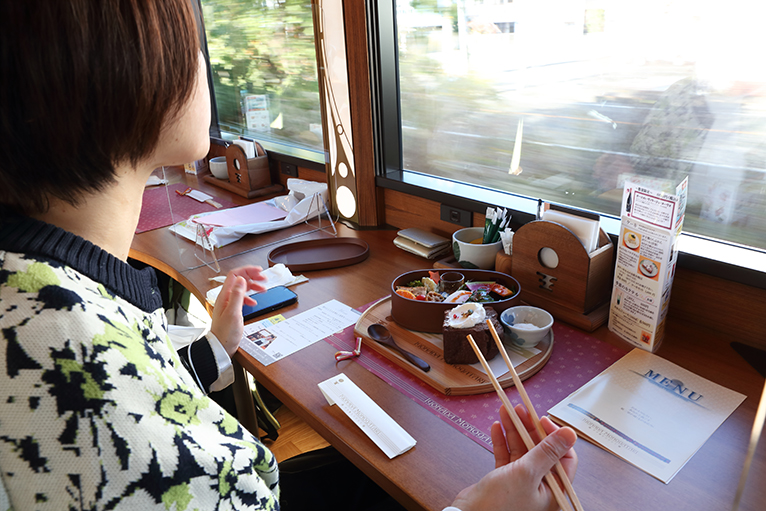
{"x":155,"y":212}
{"x":577,"y":357}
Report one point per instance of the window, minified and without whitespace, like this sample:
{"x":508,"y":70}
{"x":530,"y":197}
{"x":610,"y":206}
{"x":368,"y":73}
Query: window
{"x":263,"y":64}
{"x":590,"y":94}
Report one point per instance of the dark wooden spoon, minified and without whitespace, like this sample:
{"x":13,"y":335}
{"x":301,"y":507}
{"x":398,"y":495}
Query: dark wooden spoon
{"x":381,"y":334}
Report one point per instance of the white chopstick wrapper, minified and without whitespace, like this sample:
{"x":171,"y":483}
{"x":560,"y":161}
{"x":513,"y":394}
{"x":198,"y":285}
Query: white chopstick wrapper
{"x":376,"y":424}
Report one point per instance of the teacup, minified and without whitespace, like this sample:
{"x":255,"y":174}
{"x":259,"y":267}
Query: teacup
{"x":218,"y":167}
{"x":470,"y":252}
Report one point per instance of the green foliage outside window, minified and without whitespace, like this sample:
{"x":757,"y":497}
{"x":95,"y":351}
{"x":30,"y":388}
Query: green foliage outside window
{"x":265,"y":47}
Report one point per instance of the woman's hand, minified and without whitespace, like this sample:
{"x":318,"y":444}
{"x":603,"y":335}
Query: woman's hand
{"x":517,"y":481}
{"x":228,"y":324}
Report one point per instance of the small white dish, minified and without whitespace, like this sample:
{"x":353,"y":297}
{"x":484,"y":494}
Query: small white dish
{"x":525,"y":326}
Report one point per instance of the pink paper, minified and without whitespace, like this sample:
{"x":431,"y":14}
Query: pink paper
{"x":243,"y":215}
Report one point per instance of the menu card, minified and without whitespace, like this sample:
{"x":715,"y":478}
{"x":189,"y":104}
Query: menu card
{"x":646,"y":262}
{"x":648,"y":411}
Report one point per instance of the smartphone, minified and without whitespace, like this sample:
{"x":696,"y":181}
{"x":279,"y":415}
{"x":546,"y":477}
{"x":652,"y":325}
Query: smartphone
{"x":268,"y":301}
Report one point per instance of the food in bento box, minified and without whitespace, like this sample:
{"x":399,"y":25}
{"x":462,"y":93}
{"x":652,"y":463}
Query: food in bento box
{"x":427,"y":289}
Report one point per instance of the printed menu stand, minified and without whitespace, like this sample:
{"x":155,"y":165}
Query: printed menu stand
{"x":647,"y":251}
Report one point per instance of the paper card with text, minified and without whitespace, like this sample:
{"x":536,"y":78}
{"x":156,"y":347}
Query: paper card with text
{"x":376,"y":424}
{"x":274,"y":338}
{"x":648,"y":411}
{"x":646,"y":262}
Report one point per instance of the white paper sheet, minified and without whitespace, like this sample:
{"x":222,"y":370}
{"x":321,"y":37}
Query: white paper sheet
{"x":274,"y":338}
{"x":305,"y":201}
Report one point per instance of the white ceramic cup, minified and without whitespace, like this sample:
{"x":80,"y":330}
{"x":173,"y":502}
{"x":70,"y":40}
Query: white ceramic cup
{"x":218,"y":167}
{"x":474,"y":255}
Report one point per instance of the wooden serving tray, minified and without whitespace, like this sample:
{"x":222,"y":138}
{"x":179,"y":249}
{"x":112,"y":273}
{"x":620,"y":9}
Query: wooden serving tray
{"x":449,"y":379}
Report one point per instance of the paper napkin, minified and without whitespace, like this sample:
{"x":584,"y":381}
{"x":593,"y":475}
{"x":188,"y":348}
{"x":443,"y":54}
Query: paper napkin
{"x":277,"y":275}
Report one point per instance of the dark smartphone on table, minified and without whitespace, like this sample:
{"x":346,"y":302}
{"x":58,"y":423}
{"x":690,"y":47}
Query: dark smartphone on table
{"x":268,"y":301}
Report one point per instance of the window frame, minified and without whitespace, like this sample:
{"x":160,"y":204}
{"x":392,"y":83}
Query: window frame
{"x":719,"y":258}
{"x":722,"y":259}
{"x":283,"y":151}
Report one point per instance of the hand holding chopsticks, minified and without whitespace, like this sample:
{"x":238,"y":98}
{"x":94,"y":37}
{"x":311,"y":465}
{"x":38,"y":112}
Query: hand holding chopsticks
{"x":535,"y":419}
{"x":521,"y":429}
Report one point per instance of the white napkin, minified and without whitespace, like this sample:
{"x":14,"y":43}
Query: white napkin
{"x":155,"y":180}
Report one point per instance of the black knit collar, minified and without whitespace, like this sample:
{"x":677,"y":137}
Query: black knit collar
{"x":36,"y":238}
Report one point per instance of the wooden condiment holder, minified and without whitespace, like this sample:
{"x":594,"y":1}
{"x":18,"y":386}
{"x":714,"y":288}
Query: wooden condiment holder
{"x":578,"y":289}
{"x":247,"y":177}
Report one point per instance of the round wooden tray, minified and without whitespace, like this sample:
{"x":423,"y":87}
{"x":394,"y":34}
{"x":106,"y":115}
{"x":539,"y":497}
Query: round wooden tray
{"x":320,"y":254}
{"x":449,"y":379}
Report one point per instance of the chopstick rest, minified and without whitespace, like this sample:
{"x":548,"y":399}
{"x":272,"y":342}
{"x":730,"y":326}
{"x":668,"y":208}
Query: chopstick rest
{"x":345,"y":355}
{"x":528,"y":442}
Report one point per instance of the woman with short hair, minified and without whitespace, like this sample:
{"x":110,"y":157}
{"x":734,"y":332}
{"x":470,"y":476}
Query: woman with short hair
{"x":97,"y":411}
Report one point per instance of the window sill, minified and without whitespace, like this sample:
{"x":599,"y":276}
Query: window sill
{"x":283,"y":151}
{"x":728,"y":261}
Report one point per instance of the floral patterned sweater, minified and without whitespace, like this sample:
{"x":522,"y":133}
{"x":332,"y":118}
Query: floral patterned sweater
{"x":96,"y":409}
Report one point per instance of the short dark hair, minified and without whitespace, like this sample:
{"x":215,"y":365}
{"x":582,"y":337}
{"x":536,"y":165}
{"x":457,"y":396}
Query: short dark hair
{"x":86,"y":85}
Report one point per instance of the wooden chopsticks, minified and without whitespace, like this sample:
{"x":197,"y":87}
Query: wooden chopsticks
{"x":535,"y":419}
{"x":526,"y":438}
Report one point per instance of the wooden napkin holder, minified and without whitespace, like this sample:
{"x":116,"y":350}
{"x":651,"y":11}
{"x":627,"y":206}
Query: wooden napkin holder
{"x":247,"y":177}
{"x":578,"y":289}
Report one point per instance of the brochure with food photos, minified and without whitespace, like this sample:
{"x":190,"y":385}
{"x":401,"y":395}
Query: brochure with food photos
{"x":646,"y":262}
{"x":641,"y":409}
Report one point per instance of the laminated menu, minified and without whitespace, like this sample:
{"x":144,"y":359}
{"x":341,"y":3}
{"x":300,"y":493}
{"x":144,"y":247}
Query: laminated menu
{"x":647,"y":252}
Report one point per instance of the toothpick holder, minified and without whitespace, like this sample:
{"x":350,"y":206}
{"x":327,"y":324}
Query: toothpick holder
{"x":578,"y":287}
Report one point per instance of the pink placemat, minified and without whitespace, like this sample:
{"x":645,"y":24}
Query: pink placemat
{"x":577,"y":357}
{"x":155,"y":212}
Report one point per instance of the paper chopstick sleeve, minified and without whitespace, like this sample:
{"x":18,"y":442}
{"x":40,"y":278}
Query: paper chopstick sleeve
{"x":365,"y":413}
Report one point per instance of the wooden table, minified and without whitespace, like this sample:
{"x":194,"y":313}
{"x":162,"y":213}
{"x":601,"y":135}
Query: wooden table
{"x":444,"y":461}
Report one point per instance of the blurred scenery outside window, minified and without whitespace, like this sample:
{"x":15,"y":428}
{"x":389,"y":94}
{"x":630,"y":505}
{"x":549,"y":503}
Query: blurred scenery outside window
{"x":596,"y":92}
{"x":263,"y":63}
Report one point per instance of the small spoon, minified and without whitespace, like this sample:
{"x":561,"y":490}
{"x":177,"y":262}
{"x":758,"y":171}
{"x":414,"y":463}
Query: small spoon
{"x":381,"y":334}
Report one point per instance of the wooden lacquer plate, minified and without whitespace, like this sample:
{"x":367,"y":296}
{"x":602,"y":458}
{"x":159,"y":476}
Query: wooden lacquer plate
{"x":320,"y":254}
{"x":449,"y":379}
